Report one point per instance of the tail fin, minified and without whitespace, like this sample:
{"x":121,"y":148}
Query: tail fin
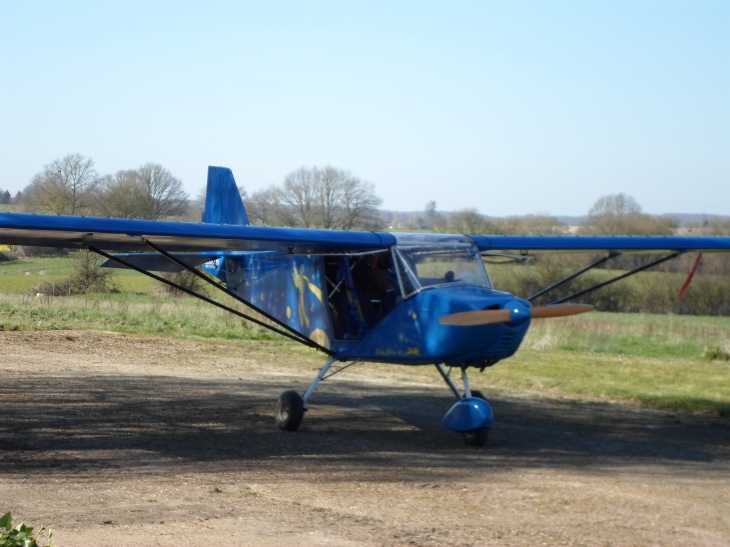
{"x":223,"y":203}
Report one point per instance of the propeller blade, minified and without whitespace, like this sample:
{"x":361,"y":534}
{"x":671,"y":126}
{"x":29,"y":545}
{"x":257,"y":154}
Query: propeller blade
{"x":477,"y":317}
{"x":488,"y":317}
{"x":559,"y":310}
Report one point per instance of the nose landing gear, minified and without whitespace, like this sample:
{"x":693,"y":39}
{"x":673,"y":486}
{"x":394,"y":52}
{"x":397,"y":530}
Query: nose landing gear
{"x":471,"y":415}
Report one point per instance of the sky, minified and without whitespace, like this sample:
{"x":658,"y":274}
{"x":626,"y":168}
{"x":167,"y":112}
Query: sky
{"x":511,"y":108}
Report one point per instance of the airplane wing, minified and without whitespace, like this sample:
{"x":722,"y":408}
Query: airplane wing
{"x":113,"y":234}
{"x":618,"y":244}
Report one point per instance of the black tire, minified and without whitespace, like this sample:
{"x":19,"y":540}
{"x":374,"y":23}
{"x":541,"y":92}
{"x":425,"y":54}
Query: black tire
{"x":478,"y":437}
{"x":478,"y":394}
{"x":289,"y":411}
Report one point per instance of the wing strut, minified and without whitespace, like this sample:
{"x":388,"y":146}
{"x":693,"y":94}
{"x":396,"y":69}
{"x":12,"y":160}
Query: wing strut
{"x":613,"y":280}
{"x":299,"y":338}
{"x":572,"y":276}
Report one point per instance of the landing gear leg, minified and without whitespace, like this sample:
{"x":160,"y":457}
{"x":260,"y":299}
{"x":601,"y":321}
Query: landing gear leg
{"x":449,"y":381}
{"x":463,"y":413}
{"x":291,"y":407}
{"x":479,"y":436}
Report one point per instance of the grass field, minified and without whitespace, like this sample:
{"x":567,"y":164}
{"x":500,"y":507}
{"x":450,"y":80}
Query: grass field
{"x":24,"y":274}
{"x":654,"y":360}
{"x":636,"y":334}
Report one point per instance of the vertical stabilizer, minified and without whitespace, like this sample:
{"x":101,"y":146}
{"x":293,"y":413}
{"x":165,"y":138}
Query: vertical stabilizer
{"x":223,"y":204}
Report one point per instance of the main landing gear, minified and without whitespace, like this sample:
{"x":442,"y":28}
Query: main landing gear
{"x":291,"y":407}
{"x":471,"y":415}
{"x":289,"y":411}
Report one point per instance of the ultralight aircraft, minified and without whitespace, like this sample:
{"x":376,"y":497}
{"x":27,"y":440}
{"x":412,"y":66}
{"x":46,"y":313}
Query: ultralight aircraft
{"x":407,"y":299}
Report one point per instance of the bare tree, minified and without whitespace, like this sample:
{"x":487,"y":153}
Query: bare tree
{"x":149,"y":192}
{"x":165,"y":194}
{"x":430,"y":216}
{"x":621,"y":214}
{"x":66,"y":186}
{"x":532,"y":225}
{"x":297,"y":197}
{"x":263,"y":207}
{"x":616,"y":204}
{"x":358,"y":201}
{"x":325,"y":197}
{"x":123,"y":195}
{"x":467,"y":221}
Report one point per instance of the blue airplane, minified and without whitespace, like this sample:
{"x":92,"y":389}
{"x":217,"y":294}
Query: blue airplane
{"x":407,"y":299}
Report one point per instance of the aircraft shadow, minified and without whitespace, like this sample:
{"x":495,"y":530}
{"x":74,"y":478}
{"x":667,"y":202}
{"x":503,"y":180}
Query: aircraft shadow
{"x":50,"y":423}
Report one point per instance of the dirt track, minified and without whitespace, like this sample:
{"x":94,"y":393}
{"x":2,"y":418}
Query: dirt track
{"x":126,"y":440}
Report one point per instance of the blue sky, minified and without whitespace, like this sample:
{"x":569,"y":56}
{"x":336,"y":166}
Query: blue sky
{"x":509,"y":107}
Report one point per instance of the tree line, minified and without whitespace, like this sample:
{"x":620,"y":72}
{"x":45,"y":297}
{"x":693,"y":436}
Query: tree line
{"x":313,"y":197}
{"x":317,"y":197}
{"x":72,"y":186}
{"x":610,"y":215}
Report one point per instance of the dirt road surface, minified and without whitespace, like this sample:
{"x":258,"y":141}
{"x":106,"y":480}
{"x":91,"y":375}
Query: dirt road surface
{"x":130,"y":440}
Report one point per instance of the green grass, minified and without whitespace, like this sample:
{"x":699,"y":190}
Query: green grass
{"x":143,"y":314}
{"x":695,"y":385}
{"x":637,"y":334}
{"x":24,"y":274}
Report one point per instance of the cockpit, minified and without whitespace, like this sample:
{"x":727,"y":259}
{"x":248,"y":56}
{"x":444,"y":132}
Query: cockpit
{"x":364,"y":288}
{"x":429,"y":260}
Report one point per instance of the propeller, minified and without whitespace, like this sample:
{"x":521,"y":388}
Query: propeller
{"x":488,"y":317}
{"x":477,"y":317}
{"x":559,"y":310}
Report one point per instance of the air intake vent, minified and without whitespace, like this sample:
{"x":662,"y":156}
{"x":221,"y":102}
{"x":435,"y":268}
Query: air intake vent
{"x":506,"y":342}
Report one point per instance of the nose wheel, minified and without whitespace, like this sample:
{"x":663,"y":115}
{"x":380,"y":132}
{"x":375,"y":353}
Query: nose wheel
{"x":471,"y":415}
{"x":477,"y":437}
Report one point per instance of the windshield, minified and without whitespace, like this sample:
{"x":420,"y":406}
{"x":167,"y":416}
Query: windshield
{"x":426,"y":266}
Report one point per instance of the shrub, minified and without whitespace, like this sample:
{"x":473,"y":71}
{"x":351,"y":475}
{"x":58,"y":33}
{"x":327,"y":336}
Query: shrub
{"x":713,"y":352}
{"x":88,"y":277}
{"x":185,"y":279}
{"x":20,"y":535}
{"x":650,"y":292}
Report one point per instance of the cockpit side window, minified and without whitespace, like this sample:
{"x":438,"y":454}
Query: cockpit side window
{"x":362,"y":290}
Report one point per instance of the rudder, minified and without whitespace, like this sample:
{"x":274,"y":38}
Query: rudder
{"x":223,"y":204}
